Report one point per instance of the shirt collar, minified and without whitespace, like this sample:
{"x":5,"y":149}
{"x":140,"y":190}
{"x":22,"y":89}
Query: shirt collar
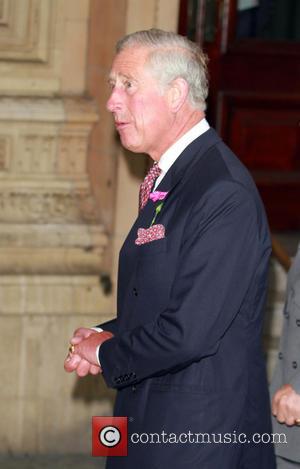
{"x":171,"y":155}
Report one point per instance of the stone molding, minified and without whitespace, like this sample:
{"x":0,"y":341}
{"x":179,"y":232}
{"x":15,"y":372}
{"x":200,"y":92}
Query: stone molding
{"x":40,"y":109}
{"x":51,"y":249}
{"x":43,"y":47}
{"x":43,"y":151}
{"x":24,"y":32}
{"x":58,"y":295}
{"x":48,"y":221}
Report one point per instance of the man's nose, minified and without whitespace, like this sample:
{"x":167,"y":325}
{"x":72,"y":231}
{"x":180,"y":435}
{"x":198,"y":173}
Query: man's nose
{"x":114,"y":101}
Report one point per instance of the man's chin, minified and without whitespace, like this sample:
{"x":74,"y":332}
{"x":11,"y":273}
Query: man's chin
{"x":130,"y":146}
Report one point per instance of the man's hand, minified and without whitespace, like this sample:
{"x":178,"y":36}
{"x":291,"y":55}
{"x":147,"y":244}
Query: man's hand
{"x":87,"y":348}
{"x":78,"y":360}
{"x":286,"y":405}
{"x":74,"y":361}
{"x":83,"y":367}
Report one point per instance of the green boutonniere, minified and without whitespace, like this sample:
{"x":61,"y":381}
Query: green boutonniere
{"x":157,"y":211}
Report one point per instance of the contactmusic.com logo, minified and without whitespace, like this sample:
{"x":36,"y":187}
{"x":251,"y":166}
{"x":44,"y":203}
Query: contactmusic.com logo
{"x":109,"y":436}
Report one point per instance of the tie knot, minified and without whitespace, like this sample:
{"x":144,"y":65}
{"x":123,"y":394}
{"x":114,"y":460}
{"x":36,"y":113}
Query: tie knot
{"x":147,"y":184}
{"x":154,"y":171}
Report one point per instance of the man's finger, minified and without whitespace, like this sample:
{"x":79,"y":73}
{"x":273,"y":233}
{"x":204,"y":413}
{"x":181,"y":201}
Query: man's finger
{"x":76,"y":339}
{"x":83,"y":368}
{"x":94,"y":370}
{"x":290,"y":420}
{"x":275,"y":402}
{"x":71,"y":362}
{"x":83,"y":332}
{"x":80,"y":334}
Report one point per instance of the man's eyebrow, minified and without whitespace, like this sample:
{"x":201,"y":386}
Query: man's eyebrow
{"x":122,"y":76}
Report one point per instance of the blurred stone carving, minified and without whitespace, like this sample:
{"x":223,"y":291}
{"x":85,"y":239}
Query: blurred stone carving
{"x":24,"y":32}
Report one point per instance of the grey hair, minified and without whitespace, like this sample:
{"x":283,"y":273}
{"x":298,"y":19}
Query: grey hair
{"x":173,"y":56}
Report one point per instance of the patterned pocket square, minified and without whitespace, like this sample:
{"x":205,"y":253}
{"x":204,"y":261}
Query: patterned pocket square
{"x":146,"y":235}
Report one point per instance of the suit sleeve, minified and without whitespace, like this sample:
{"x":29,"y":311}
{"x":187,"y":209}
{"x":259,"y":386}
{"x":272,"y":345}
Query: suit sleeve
{"x":111,"y":326}
{"x":217,"y":260}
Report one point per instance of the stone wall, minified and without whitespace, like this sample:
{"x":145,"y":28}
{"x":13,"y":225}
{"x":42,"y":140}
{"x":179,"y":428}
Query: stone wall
{"x":62,"y":188}
{"x":52,"y":238}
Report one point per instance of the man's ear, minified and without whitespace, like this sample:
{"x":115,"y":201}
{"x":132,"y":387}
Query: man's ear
{"x":177,"y":93}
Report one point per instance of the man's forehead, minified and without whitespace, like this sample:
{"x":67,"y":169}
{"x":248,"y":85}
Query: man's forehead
{"x":129,"y":59}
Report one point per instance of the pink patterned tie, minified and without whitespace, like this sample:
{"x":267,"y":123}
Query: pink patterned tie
{"x":147,"y":185}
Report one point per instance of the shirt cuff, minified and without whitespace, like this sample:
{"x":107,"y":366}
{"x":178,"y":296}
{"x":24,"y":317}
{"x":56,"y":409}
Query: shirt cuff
{"x":97,"y":355}
{"x":97,"y":329}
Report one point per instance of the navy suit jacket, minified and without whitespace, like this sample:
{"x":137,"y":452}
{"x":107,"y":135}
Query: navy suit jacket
{"x":186,"y":356}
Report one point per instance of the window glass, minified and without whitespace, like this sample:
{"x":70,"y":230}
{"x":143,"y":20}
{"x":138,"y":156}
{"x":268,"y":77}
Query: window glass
{"x":275,"y":20}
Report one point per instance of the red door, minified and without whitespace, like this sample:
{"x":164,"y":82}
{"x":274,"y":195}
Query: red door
{"x":254,"y":102}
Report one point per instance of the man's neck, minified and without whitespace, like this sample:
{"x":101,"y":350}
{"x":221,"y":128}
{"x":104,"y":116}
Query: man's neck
{"x":175,"y":150}
{"x":182,"y":123}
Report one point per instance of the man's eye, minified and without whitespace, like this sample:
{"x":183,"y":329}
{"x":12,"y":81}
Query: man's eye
{"x":128,"y":84}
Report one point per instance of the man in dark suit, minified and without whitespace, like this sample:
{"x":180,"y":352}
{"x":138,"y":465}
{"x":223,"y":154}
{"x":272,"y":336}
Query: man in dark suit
{"x":184,"y":352}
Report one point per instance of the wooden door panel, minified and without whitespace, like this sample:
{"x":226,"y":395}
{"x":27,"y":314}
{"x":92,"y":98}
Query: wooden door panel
{"x":254,"y":99}
{"x":263,"y":131}
{"x":281,"y":199}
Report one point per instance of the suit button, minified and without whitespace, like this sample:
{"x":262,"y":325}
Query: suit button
{"x":280,"y":355}
{"x":298,"y":322}
{"x":133,"y":375}
{"x":135,"y":292}
{"x":294,"y":364}
{"x":133,"y":388}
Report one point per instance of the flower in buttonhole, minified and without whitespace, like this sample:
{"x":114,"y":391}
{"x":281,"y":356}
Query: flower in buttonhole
{"x":155,"y":196}
{"x":157,"y":211}
{"x":158,"y":195}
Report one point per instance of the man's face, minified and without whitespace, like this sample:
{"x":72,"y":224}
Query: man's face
{"x":141,"y":112}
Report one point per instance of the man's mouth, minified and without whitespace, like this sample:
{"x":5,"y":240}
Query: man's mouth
{"x":121,"y":125}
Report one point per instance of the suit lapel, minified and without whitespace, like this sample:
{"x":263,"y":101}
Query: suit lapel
{"x":180,"y":171}
{"x":184,"y":165}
